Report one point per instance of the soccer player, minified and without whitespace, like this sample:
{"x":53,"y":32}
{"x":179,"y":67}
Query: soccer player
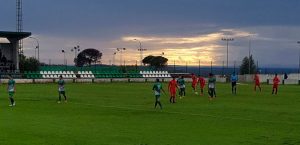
{"x":61,"y":89}
{"x":212,"y":86}
{"x":157,"y":88}
{"x":194,"y":83}
{"x":172,"y":89}
{"x":201,"y":82}
{"x":276,"y":81}
{"x":11,"y":88}
{"x":181,"y":84}
{"x":257,"y":82}
{"x":233,"y":79}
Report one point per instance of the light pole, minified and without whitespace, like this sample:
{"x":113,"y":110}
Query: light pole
{"x":121,"y":51}
{"x":298,"y":42}
{"x":63,"y":51}
{"x":249,"y":63}
{"x":141,"y":50}
{"x":37,"y":47}
{"x":227,"y":42}
{"x":114,"y":58}
{"x":75,"y":49}
{"x":199,"y":67}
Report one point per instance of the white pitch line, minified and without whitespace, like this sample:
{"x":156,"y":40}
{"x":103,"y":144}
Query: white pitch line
{"x":242,"y":84}
{"x":190,"y":114}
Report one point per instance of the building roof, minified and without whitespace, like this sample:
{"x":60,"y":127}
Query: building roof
{"x":14,"y":35}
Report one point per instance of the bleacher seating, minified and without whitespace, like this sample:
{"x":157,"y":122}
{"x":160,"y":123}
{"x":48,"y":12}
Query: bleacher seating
{"x":56,"y":74}
{"x":86,"y":74}
{"x":155,"y":74}
{"x":32,"y":75}
{"x":72,"y":72}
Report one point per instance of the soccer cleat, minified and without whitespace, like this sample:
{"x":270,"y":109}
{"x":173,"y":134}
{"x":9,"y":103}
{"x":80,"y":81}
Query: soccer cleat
{"x":10,"y":105}
{"x":14,"y":104}
{"x":58,"y":102}
{"x":66,"y":101}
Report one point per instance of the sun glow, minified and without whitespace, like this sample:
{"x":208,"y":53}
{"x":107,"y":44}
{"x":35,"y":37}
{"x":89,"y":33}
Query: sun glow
{"x":187,"y":50}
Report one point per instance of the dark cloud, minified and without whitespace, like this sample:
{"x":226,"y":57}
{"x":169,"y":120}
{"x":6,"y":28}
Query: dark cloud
{"x":104,"y":22}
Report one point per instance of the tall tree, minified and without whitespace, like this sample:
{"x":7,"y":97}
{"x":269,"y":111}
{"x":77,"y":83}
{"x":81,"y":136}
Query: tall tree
{"x":244,"y":68}
{"x":155,"y":61}
{"x":28,"y":64}
{"x":87,"y":57}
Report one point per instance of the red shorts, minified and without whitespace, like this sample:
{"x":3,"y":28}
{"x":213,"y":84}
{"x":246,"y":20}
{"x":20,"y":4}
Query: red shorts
{"x":257,"y":84}
{"x":202,"y":86}
{"x":173,"y":92}
{"x":194,"y":85}
{"x":275,"y":85}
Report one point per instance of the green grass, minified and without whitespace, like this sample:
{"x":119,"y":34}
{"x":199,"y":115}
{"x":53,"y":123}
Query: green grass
{"x":123,"y":114}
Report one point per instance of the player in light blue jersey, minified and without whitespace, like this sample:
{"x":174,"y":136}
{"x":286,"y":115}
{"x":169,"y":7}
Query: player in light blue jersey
{"x":233,"y":79}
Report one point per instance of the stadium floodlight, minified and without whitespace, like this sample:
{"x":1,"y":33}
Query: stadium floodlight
{"x":121,"y":54}
{"x":64,"y":52}
{"x":141,"y":50}
{"x":75,"y":49}
{"x":249,"y":64}
{"x":227,"y":41}
{"x":114,"y":58}
{"x":36,"y":48}
{"x":298,"y":42}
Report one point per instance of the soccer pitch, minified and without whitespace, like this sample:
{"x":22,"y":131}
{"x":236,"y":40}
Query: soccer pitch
{"x":124,"y":114}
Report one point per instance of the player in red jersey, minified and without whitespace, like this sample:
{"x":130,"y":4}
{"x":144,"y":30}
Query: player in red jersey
{"x":257,"y":82}
{"x":276,"y":81}
{"x":194,"y":83}
{"x":201,"y":82}
{"x":172,"y":89}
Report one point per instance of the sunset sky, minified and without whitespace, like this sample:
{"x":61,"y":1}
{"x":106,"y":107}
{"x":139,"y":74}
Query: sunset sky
{"x":185,"y":30}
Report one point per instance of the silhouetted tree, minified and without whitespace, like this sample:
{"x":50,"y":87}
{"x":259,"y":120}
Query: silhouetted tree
{"x":87,"y":57}
{"x":244,"y":68}
{"x":148,"y":59}
{"x":155,"y":61}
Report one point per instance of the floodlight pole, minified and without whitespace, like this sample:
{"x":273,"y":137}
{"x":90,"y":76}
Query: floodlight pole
{"x":199,"y":67}
{"x":141,"y":50}
{"x":227,"y":42}
{"x":299,"y":60}
{"x":121,"y":51}
{"x":63,"y":51}
{"x":37,"y":47}
{"x":249,"y":71}
{"x":114,"y":58}
{"x":75,"y":49}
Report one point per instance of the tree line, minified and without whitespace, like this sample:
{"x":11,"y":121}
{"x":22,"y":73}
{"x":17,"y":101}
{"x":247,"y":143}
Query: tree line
{"x":91,"y":56}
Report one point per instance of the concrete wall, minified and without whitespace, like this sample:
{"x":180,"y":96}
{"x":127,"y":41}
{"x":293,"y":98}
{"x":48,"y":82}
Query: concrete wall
{"x":291,"y":82}
{"x":263,"y":78}
{"x":242,"y":79}
{"x":41,"y":81}
{"x":294,"y":76}
{"x":83,"y":80}
{"x":102,"y":80}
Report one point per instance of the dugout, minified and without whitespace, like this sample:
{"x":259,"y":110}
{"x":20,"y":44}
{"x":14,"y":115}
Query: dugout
{"x":9,"y":44}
